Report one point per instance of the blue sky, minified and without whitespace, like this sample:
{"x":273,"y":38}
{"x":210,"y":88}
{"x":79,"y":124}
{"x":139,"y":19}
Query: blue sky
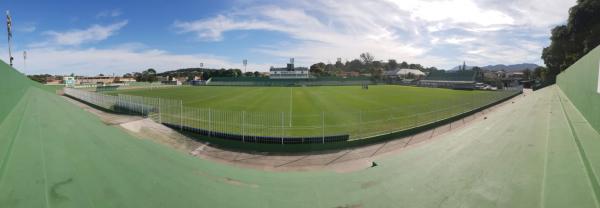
{"x":92,"y":37}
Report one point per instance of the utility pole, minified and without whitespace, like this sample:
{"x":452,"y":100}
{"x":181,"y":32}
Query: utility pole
{"x":9,"y":30}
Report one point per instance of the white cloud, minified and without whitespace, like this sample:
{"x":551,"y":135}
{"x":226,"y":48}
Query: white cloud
{"x":26,"y":28}
{"x":458,"y":41}
{"x":455,"y":11}
{"x":411,"y":30}
{"x":92,"y":34}
{"x":321,"y":40}
{"x":439,"y":33}
{"x":109,"y":13}
{"x":119,"y":60}
{"x":535,"y":13}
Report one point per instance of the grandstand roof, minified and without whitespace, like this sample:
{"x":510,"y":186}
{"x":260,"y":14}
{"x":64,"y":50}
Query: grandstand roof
{"x":460,"y":75}
{"x":402,"y":72}
{"x":539,"y":151}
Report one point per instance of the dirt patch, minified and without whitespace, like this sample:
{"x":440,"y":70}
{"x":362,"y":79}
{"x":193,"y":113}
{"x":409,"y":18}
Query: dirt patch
{"x":147,"y":128}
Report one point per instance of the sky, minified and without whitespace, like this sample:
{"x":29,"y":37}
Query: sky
{"x":117,"y":37}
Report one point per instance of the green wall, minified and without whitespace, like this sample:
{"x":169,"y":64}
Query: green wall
{"x":13,"y":86}
{"x":580,"y":83}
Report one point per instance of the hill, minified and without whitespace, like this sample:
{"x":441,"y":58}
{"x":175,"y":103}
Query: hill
{"x":498,"y":67}
{"x":514,"y":67}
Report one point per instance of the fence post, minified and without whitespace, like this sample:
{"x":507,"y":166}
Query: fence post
{"x":130,"y":108}
{"x":359,"y":123}
{"x":159,"y":112}
{"x":243,"y":129}
{"x":181,"y":115}
{"x":323,"y":127}
{"x":209,"y":123}
{"x":282,"y":127}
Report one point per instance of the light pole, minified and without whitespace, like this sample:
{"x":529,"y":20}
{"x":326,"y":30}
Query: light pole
{"x":9,"y":30}
{"x":24,"y":60}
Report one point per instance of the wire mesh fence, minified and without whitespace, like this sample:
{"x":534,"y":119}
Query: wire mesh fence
{"x":285,"y":127}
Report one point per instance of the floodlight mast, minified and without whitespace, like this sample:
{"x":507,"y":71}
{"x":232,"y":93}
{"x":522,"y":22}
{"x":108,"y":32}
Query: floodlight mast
{"x":245,"y":62}
{"x":24,"y":60}
{"x":9,"y":30}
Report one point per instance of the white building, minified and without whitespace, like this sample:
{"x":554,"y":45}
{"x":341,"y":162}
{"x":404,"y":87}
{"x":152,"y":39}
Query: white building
{"x":289,"y":72}
{"x":404,"y":73}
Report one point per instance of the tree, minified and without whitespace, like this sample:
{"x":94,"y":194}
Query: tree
{"x":317,"y":69}
{"x":377,"y":73}
{"x":377,"y":65}
{"x":572,"y":41}
{"x":339,"y":65}
{"x":355,"y":65}
{"x":479,"y":76}
{"x":527,"y":73}
{"x":404,"y":65}
{"x":41,"y":78}
{"x":392,"y":64}
{"x":540,"y":73}
{"x":149,"y":75}
{"x":415,"y":66}
{"x":367,"y":58}
{"x":330,"y":69}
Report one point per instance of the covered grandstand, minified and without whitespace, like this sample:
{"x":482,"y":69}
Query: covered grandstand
{"x":461,"y":79}
{"x":538,"y":151}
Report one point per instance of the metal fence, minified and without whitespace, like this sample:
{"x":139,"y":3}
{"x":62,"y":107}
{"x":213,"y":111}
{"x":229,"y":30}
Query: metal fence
{"x":284,"y":127}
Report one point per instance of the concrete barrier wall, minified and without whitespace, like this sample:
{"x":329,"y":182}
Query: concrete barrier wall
{"x":13,"y":86}
{"x":580,"y":83}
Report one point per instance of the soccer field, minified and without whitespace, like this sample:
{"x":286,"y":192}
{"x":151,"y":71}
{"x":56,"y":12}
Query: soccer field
{"x":316,"y":111}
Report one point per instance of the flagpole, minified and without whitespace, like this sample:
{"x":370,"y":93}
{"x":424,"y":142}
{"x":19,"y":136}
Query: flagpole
{"x":9,"y":30}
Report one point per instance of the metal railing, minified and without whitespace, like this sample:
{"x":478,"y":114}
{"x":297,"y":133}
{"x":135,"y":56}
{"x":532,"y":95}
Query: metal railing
{"x":285,"y":127}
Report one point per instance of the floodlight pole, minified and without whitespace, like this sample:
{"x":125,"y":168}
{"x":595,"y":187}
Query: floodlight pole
{"x":9,"y":31}
{"x":24,"y":60}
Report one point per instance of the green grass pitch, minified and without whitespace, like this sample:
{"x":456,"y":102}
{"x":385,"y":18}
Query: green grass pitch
{"x":341,"y":109}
